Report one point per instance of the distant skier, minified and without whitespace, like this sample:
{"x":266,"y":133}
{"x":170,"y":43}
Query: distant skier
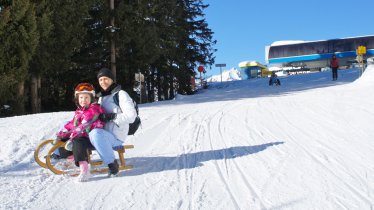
{"x":274,"y":79}
{"x":334,"y":64}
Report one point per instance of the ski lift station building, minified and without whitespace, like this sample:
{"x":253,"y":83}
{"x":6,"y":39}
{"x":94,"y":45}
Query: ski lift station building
{"x":252,"y":69}
{"x":317,"y":54}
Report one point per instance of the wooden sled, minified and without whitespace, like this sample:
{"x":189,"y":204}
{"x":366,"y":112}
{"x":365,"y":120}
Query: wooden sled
{"x":64,"y":166}
{"x":42,"y":151}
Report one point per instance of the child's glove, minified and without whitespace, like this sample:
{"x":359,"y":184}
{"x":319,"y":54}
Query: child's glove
{"x":58,"y":138}
{"x":69,"y":146}
{"x":106,"y":117}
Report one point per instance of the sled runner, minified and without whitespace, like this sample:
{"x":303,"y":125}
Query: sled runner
{"x":41,"y":152}
{"x":67,"y":167}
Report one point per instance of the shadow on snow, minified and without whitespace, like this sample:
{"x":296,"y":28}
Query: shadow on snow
{"x":144,"y":165}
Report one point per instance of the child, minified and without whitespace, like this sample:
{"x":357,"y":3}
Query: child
{"x":85,"y":119}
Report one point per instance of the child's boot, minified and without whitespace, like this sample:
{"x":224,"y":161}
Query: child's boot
{"x":85,"y":174}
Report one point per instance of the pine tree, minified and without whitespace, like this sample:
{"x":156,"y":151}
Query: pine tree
{"x":66,"y":40}
{"x":19,"y":39}
{"x":7,"y":80}
{"x":94,"y":52}
{"x":196,"y":41}
{"x":41,"y":59}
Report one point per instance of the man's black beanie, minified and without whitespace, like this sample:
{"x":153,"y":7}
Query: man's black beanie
{"x":105,"y":72}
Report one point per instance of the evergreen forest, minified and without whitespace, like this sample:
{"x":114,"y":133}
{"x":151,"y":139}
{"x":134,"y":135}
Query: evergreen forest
{"x":47,"y":47}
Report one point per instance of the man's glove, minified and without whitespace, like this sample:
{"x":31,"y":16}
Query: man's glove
{"x":58,"y":138}
{"x":106,"y":117}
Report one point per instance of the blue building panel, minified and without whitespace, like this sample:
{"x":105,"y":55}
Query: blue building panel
{"x":317,"y":57}
{"x":316,"y":54}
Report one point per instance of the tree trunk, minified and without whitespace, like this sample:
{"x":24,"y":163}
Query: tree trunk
{"x":165,"y":85}
{"x":35,"y":94}
{"x":159,"y":87}
{"x":150,"y":86}
{"x":112,"y":43}
{"x":20,"y":100}
{"x":39,"y":94}
{"x":143,"y":93}
{"x":171,"y":85}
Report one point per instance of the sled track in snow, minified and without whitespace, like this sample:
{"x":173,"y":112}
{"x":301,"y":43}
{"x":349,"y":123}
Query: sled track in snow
{"x":219,"y":170}
{"x":317,"y":159}
{"x":222,"y":112}
{"x":190,"y":174}
{"x":237,"y":167}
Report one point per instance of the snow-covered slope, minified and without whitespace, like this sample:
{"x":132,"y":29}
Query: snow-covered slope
{"x":308,"y":144}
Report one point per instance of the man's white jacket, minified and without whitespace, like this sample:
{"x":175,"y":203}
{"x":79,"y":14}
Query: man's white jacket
{"x":126,"y":112}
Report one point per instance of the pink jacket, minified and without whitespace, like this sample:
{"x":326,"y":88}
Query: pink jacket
{"x":78,"y":125}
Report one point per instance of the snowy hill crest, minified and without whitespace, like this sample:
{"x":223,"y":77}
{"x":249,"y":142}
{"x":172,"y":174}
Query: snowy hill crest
{"x":228,"y":75}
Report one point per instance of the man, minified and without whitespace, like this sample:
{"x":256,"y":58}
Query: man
{"x":117,"y":119}
{"x":334,"y":64}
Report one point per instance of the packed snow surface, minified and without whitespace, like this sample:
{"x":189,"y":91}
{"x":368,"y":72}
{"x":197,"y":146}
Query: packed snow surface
{"x":308,"y":144}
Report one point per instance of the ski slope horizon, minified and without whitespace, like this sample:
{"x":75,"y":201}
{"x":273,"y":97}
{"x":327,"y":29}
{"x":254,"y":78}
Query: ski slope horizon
{"x":307,"y":144}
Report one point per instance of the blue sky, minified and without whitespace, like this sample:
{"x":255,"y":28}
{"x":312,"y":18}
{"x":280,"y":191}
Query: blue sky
{"x":243,"y":28}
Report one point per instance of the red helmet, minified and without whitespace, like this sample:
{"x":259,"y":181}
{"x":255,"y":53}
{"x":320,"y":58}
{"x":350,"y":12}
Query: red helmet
{"x":85,"y":88}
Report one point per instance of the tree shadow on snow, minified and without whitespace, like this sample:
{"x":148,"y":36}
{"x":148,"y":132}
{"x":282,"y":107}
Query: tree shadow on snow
{"x":144,"y":165}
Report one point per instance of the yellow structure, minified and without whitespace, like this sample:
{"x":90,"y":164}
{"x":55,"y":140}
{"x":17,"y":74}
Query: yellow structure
{"x":361,"y":50}
{"x":253,"y":69}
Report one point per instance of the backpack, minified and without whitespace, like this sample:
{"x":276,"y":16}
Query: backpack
{"x":133,"y":127}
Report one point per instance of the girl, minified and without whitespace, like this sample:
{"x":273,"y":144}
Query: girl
{"x":85,"y":119}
